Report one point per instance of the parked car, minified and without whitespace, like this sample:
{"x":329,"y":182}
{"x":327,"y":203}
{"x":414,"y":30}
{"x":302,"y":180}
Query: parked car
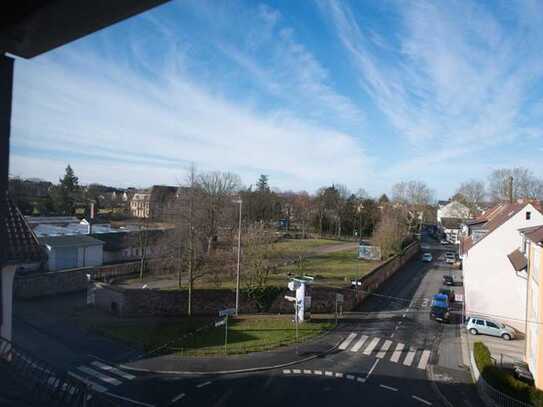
{"x":439,"y":309}
{"x":444,"y":242}
{"x":448,"y":280}
{"x":480,"y":325}
{"x":427,"y":257}
{"x":450,"y":257}
{"x":449,"y":292}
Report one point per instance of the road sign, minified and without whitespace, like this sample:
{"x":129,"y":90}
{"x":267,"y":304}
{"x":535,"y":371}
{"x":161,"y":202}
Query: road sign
{"x":227,"y":311}
{"x":290,"y":298}
{"x":220,"y":322}
{"x":459,"y":297}
{"x":339,"y":298}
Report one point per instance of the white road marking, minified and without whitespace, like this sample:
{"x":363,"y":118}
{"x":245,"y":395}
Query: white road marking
{"x":371,"y":346}
{"x":178,"y":397}
{"x":392,"y":335}
{"x":422,"y":400}
{"x":361,"y":380}
{"x":327,"y":373}
{"x":296,"y":371}
{"x":350,"y":377}
{"x":356,"y":347}
{"x":409,"y":358}
{"x":131,"y":401}
{"x":317,"y":372}
{"x":307,"y":371}
{"x":347,"y":341}
{"x":397,"y":353}
{"x":388,"y":387}
{"x":339,"y":375}
{"x":99,"y":388}
{"x":99,"y":375}
{"x":372,"y":368}
{"x":114,"y":370}
{"x":382,"y":352}
{"x":286,"y":371}
{"x":202,"y":384}
{"x":424,"y":359}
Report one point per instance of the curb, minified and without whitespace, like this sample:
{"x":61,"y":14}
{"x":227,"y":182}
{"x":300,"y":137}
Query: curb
{"x":431,"y":377}
{"x":222,"y":372}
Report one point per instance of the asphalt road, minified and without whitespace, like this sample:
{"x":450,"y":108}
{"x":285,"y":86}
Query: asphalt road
{"x":390,"y":342}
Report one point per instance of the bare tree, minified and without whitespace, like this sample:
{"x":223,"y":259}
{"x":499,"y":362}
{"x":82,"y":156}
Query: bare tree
{"x":472,"y":194}
{"x":143,"y":246}
{"x":414,"y":193}
{"x":525,"y":184}
{"x":390,"y":233}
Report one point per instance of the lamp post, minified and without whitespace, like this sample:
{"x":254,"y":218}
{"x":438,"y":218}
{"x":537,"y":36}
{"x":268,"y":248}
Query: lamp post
{"x":239,"y":256}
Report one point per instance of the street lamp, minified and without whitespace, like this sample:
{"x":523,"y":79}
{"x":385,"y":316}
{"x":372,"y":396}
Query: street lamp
{"x":239,"y":255}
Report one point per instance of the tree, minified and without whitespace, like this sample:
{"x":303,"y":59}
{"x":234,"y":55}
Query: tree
{"x":262,"y":184}
{"x":525,"y":184}
{"x":65,"y":193}
{"x":390,"y":233}
{"x":383,"y":199}
{"x":415,"y":193}
{"x":472,"y":194}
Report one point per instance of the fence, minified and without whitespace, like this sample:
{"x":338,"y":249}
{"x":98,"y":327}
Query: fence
{"x":490,"y":396}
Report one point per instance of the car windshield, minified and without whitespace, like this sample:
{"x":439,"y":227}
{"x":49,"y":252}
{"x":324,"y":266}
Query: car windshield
{"x":230,"y":203}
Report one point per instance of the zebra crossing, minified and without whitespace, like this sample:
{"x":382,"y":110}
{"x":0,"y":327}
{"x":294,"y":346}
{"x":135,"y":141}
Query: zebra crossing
{"x":100,"y":376}
{"x":381,"y":348}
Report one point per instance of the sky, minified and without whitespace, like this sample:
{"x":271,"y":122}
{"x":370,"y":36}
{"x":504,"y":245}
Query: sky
{"x":310,"y":93}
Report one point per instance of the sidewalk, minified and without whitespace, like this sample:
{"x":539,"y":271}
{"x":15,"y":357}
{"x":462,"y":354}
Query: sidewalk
{"x":285,"y":356}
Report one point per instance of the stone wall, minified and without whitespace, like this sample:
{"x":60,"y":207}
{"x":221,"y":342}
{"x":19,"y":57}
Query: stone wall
{"x":50,"y":283}
{"x":137,"y":302}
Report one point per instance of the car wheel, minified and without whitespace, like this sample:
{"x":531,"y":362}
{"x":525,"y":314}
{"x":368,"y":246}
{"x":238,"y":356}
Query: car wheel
{"x":506,"y":337}
{"x":473,"y":331}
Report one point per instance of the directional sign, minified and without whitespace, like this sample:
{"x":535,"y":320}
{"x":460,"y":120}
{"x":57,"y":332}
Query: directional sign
{"x":220,"y":322}
{"x":339,"y":298}
{"x":227,"y":311}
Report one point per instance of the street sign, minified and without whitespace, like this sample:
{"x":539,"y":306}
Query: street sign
{"x":339,"y":298}
{"x":459,"y":297}
{"x":220,"y":322}
{"x":290,"y":298}
{"x":227,"y":311}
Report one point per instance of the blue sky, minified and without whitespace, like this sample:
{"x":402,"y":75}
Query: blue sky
{"x":311,"y":93}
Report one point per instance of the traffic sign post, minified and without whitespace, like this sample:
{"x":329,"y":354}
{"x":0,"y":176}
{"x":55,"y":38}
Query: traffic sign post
{"x":225,"y":313}
{"x":339,"y":301}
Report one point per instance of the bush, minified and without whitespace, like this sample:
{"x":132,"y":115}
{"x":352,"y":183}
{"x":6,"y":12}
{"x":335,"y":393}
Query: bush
{"x":504,"y":381}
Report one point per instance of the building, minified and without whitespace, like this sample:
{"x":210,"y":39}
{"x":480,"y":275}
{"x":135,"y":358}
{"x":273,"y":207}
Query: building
{"x":131,"y":245}
{"x":72,"y":251}
{"x":452,"y":228}
{"x":452,"y":209}
{"x":494,"y":282}
{"x":154,"y":202}
{"x":532,"y":244}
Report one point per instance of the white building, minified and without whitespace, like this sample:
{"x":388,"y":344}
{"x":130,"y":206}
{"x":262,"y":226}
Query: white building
{"x":493,"y":287}
{"x":75,"y":251}
{"x":452,"y":209}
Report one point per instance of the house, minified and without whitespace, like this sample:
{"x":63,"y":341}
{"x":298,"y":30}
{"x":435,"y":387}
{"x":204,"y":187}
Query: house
{"x":72,"y":251}
{"x":20,"y":251}
{"x":493,"y":283}
{"x":532,"y":245}
{"x":452,"y":209}
{"x":452,"y":228}
{"x":154,"y":202}
{"x":129,"y":245}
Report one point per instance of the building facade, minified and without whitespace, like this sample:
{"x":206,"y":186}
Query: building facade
{"x":154,"y":202}
{"x":452,"y":209}
{"x":74,"y":251}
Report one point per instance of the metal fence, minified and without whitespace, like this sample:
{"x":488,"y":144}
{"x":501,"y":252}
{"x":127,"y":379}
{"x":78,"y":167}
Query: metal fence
{"x":496,"y":397}
{"x":45,"y":385}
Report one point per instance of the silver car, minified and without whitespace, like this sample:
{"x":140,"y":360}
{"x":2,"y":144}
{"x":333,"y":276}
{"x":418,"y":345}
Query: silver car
{"x":480,"y":325}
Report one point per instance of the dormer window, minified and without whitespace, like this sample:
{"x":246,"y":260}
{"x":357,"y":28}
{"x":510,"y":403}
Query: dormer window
{"x":528,"y":215}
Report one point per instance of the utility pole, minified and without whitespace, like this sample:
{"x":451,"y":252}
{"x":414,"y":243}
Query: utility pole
{"x":239,"y":257}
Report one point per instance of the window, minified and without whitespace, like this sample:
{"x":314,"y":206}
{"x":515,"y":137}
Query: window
{"x":491,"y":325}
{"x":479,"y":322}
{"x":528,"y":215}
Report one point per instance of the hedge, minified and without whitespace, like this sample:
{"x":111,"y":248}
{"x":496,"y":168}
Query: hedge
{"x":504,"y":381}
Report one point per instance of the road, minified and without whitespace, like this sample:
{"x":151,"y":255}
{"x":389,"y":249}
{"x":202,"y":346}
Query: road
{"x":390,"y":342}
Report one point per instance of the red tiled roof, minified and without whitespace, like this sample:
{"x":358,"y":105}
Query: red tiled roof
{"x":495,"y":217}
{"x":535,"y":235}
{"x":518,"y":260}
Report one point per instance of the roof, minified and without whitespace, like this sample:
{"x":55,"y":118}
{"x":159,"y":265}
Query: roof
{"x":29,"y":28}
{"x":442,"y":203}
{"x":19,"y":244}
{"x":70,"y":241}
{"x":123,"y":240}
{"x":451,"y":223}
{"x":535,"y":235}
{"x":518,"y":260}
{"x":494,"y":218}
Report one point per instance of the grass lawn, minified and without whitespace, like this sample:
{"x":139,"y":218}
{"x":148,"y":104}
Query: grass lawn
{"x":294,"y":247}
{"x":331,"y":269}
{"x":245,"y":334}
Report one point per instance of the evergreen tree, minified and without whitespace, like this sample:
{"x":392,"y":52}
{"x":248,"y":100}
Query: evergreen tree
{"x":64,"y":194}
{"x":262,"y":184}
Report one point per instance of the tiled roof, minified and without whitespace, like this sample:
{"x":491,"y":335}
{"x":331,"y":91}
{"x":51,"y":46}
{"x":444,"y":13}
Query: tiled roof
{"x":451,"y":223}
{"x":70,"y":241}
{"x":18,"y":244}
{"x":518,"y":260}
{"x":535,"y":235}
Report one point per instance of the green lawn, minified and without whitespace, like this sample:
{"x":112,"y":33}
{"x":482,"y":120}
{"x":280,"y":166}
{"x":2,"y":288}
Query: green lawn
{"x":245,"y":334}
{"x":296,"y":247}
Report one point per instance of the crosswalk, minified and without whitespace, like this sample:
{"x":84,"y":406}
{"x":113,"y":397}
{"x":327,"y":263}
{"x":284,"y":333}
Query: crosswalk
{"x":381,"y":348}
{"x":100,"y":376}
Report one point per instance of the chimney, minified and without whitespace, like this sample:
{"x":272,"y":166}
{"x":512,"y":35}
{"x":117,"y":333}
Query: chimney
{"x":511,"y":189}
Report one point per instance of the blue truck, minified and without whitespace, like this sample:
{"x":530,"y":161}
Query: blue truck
{"x":440,"y":310}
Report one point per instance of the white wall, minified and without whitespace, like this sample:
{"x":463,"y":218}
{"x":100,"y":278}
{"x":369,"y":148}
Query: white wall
{"x":491,"y":284}
{"x":453,"y":210}
{"x":94,"y":256}
{"x":7,"y":274}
